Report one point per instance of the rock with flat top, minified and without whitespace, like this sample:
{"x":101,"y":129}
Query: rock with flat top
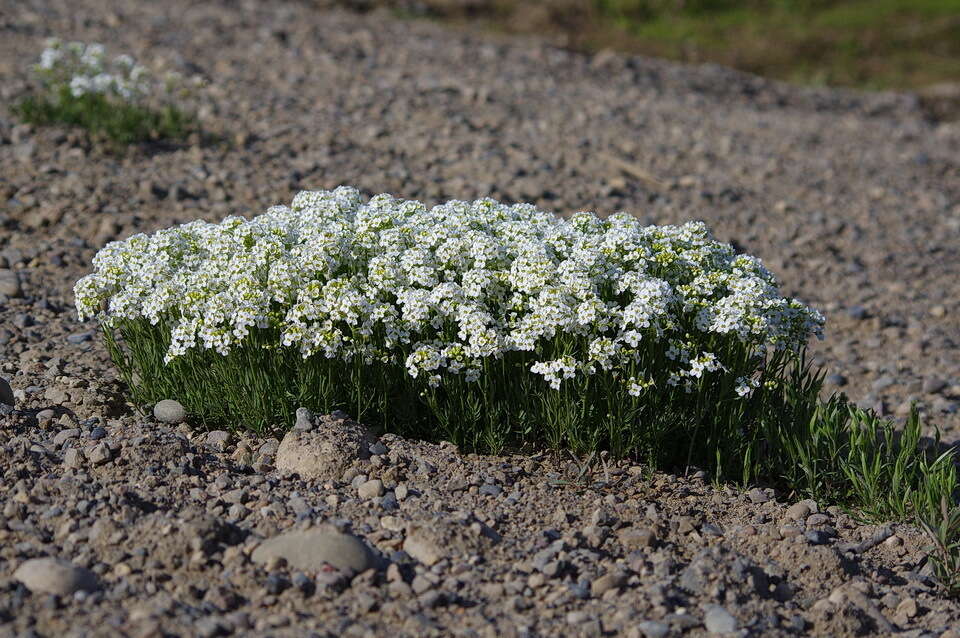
{"x":314,"y":549}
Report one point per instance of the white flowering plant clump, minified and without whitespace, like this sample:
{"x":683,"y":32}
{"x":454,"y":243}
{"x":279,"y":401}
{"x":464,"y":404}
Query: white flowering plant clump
{"x":482,"y":323}
{"x":85,"y":69}
{"x":79,"y":84}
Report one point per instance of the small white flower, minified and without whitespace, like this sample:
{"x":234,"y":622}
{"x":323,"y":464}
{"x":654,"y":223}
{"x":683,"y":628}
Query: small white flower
{"x":745,"y":386}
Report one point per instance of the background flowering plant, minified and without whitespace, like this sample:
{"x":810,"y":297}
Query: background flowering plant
{"x":80,"y":85}
{"x":482,"y":323}
{"x":85,"y":69}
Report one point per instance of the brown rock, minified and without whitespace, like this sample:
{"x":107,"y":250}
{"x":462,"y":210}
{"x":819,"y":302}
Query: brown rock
{"x":636,"y":537}
{"x":324,"y":453}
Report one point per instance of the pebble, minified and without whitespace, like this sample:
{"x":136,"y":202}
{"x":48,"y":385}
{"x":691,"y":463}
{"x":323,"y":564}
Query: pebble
{"x":709,"y":529}
{"x":209,"y":626}
{"x":370,"y":489}
{"x":310,"y":550}
{"x":837,"y":380}
{"x":304,"y":420}
{"x":653,"y":629}
{"x":269,"y":448}
{"x":817,"y":519}
{"x":933,"y":385}
{"x":100,"y":454}
{"x":756,"y":495}
{"x":432,"y":599}
{"x":9,"y":283}
{"x":577,"y":617}
{"x":636,"y":537}
{"x":610,"y":580}
{"x":73,"y":458}
{"x":80,"y":337}
{"x":798,"y":511}
{"x":907,"y":608}
{"x":379,"y":449}
{"x":389,"y":502}
{"x":169,"y":411}
{"x":490,"y":490}
{"x":65,"y":435}
{"x":56,"y":396}
{"x":97,"y":433}
{"x":421,"y":547}
{"x":580,"y":589}
{"x":302,"y":582}
{"x":6,"y":393}
{"x":857,"y":312}
{"x":420,"y":584}
{"x":719,"y":621}
{"x":883,"y":383}
{"x":218,"y":440}
{"x":790,"y":531}
{"x":55,"y":576}
{"x":817,"y":537}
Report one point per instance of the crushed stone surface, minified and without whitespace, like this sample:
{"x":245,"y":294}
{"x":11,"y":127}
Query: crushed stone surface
{"x":853,"y":199}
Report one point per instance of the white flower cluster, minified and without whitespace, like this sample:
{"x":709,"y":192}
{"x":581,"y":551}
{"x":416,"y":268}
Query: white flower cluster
{"x":442,"y":290}
{"x":85,"y":69}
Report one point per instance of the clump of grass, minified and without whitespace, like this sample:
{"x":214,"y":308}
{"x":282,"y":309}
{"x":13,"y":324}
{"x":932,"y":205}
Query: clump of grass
{"x":834,"y":451}
{"x":116,"y":99}
{"x":941,"y":522}
{"x":122,"y":124}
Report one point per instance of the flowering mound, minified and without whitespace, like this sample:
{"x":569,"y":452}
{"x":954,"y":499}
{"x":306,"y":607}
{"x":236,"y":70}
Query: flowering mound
{"x":479,"y":322}
{"x":80,"y":85}
{"x":85,"y":70}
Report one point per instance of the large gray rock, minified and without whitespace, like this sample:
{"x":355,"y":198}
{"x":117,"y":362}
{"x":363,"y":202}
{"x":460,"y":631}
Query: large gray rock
{"x":169,"y":411}
{"x":55,"y":576}
{"x":325,"y":452}
{"x":6,"y":393}
{"x":312,"y":549}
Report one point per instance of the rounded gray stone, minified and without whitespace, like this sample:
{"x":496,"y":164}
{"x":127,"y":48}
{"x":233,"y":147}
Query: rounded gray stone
{"x":312,"y":549}
{"x":9,"y":283}
{"x":304,"y":421}
{"x":55,"y":576}
{"x":169,"y":411}
{"x":653,"y":629}
{"x":719,"y":621}
{"x":6,"y":393}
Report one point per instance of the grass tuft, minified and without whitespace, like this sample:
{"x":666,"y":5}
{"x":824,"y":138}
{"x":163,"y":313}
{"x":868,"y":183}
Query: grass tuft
{"x":119,"y":122}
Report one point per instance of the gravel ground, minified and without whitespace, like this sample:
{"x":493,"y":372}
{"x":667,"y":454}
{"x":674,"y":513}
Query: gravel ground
{"x":852,"y":198}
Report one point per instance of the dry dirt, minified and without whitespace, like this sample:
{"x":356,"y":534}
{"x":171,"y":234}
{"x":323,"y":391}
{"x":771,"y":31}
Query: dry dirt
{"x":852,"y":198}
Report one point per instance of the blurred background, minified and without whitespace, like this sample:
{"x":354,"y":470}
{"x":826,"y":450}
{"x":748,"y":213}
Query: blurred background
{"x":871,"y":44}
